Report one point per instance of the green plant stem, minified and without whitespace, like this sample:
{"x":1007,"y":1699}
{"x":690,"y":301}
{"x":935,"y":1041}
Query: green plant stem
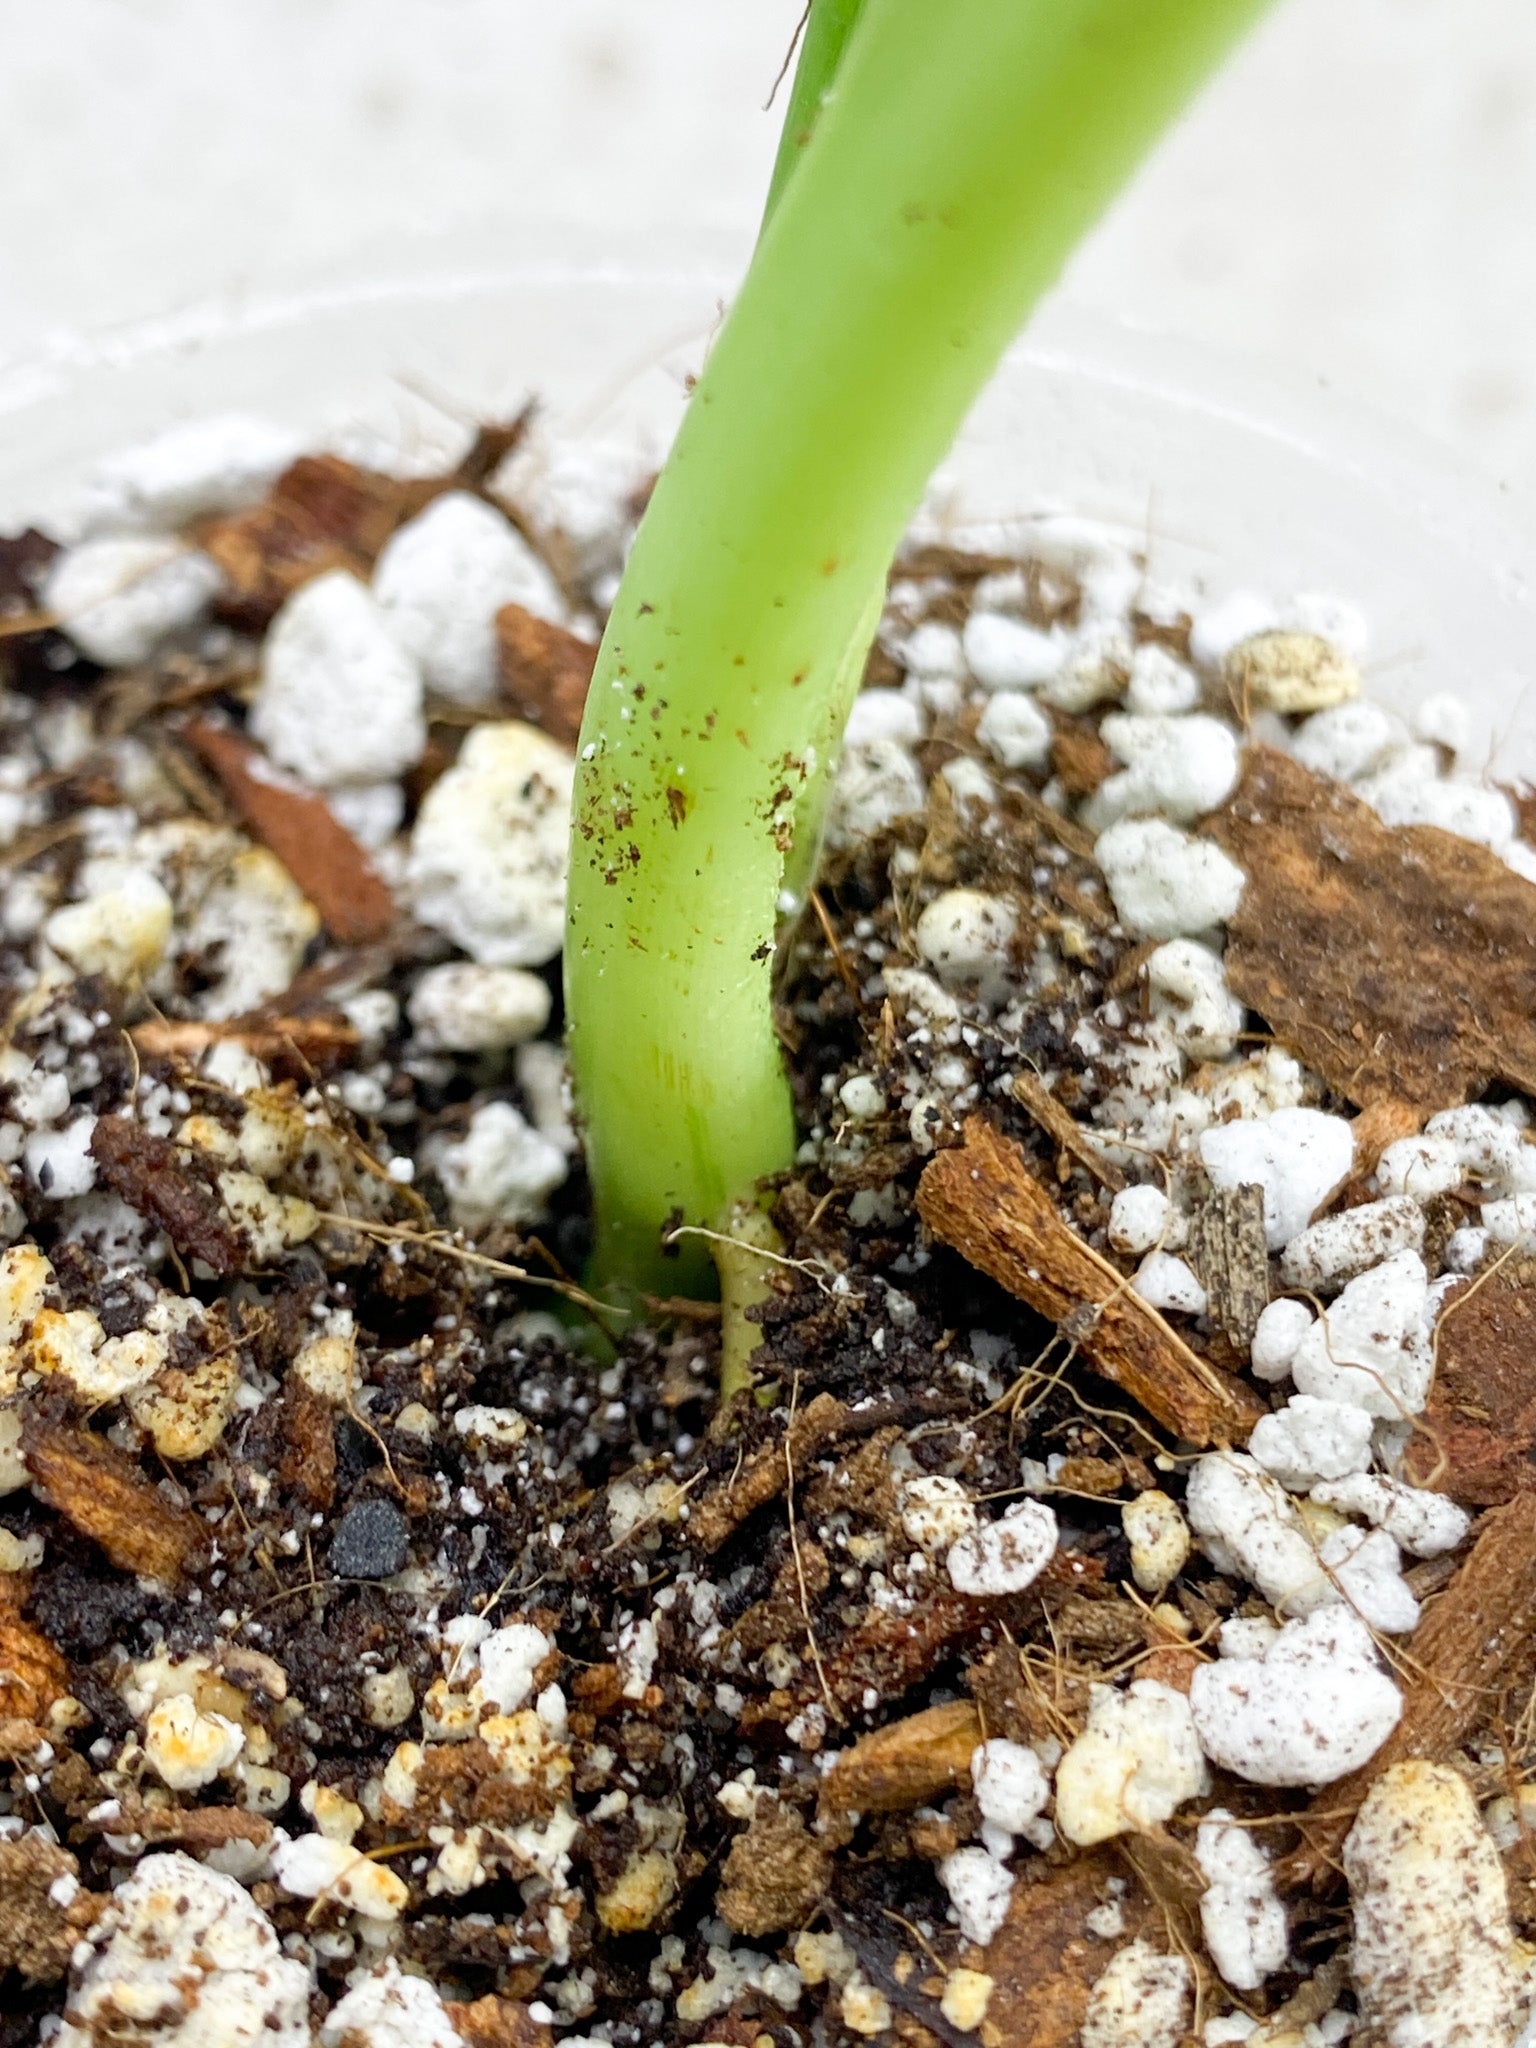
{"x":964,"y":151}
{"x":828,"y":25}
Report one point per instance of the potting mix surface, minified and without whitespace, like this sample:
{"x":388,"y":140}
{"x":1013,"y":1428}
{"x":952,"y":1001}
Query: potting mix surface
{"x":1111,"y":1615}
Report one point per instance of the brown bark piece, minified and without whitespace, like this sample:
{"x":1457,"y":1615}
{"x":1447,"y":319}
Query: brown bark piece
{"x":1043,"y":1962}
{"x":775,"y":1873}
{"x":763,"y":1476}
{"x":982,"y":1198}
{"x":1476,"y":1642}
{"x":906,"y":1763}
{"x":299,"y":826}
{"x":1058,"y":1122}
{"x":100,"y":1489}
{"x":890,"y":1652}
{"x":545,"y":671}
{"x":322,"y":513}
{"x":1396,"y":961}
{"x":32,"y":1673}
{"x":1480,"y":1425}
{"x":493,"y":2022}
{"x":1080,"y":761}
{"x":37,"y":1935}
{"x":321,"y":1042}
{"x":1230,"y":1255}
{"x":308,"y":1460}
{"x":197,"y":1828}
{"x":153,"y":1176}
{"x":1381,"y":1124}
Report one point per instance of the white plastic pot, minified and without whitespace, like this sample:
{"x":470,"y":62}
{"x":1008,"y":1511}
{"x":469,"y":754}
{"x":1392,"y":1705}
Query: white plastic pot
{"x":1227,"y":477}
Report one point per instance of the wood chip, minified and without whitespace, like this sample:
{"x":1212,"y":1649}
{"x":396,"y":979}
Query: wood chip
{"x":1059,"y":1123}
{"x":159,"y":1180}
{"x":763,"y":1475}
{"x":775,"y":1873}
{"x":194,"y":1827}
{"x":982,"y":1199}
{"x":545,"y":671}
{"x":890,"y":1652}
{"x":32,"y":1673}
{"x":322,"y":513}
{"x":320,"y":1042}
{"x":1396,"y":962}
{"x":1228,"y":1251}
{"x":299,"y":826}
{"x":100,"y":1490}
{"x":1043,"y":1962}
{"x":493,"y":2022}
{"x":1080,"y":761}
{"x":906,"y":1763}
{"x":1477,"y":1641}
{"x":1480,"y":1424}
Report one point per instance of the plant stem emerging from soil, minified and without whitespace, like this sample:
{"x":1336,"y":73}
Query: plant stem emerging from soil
{"x":962,"y":154}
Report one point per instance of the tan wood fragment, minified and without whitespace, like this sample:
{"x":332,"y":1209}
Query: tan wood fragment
{"x":1043,"y":1962}
{"x":101,"y":1490}
{"x":1228,"y":1251}
{"x":301,"y":829}
{"x":1475,"y":1643}
{"x":32,"y":1672}
{"x":764,"y":1474}
{"x":906,"y":1763}
{"x":1398,"y":961}
{"x":1057,"y":1122}
{"x":320,"y":1041}
{"x":982,"y":1199}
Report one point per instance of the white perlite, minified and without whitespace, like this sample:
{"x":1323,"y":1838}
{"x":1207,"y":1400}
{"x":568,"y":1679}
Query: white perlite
{"x":1308,"y":1440}
{"x":1372,"y":1346}
{"x":1010,"y":1785}
{"x":1142,"y":2000}
{"x":1186,"y":985}
{"x":187,"y":1949}
{"x":390,"y":2010}
{"x":340,"y":700}
{"x":1297,"y":1156}
{"x":1433,"y":1955}
{"x":117,"y":599}
{"x":979,"y":1889}
{"x":1424,"y":1523}
{"x":1005,"y":654}
{"x":965,"y":936}
{"x":488,"y":855}
{"x":1250,"y":1528}
{"x":442,"y":578}
{"x":1015,"y":731}
{"x":502,"y":1170}
{"x":1337,"y":1249}
{"x":1166,"y":885}
{"x":1007,"y":1555}
{"x":218,"y":464}
{"x":1313,"y":1706}
{"x":1139,"y":1219}
{"x":1241,"y":1914}
{"x":1176,"y":768}
{"x":1278,"y":1333}
{"x":463,"y":1007}
{"x":1136,"y":1762}
{"x":1167,"y":1282}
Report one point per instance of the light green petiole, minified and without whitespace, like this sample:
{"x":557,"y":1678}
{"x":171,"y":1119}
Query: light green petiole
{"x":962,"y":152}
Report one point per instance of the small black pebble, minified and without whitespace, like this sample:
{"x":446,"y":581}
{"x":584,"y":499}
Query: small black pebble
{"x":370,"y":1541}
